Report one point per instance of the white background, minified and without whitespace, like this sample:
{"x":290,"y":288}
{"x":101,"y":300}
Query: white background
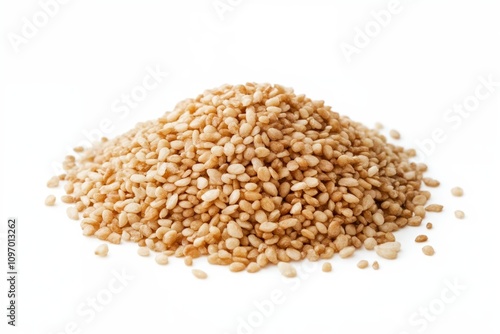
{"x":64,"y":80}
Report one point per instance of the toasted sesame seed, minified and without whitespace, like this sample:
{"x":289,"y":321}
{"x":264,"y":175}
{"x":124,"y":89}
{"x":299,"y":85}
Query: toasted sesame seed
{"x":362,"y":264}
{"x":428,"y":226}
{"x":421,"y":238}
{"x":287,"y":269}
{"x":50,"y":200}
{"x":210,"y":195}
{"x":373,"y":170}
{"x":188,"y":261}
{"x":293,"y":253}
{"x":431,"y":182}
{"x":102,"y":250}
{"x":53,"y":182}
{"x":268,"y":227}
{"x":132,"y":208}
{"x":370,"y":243}
{"x":137,"y":178}
{"x":236,"y":169}
{"x":253,"y":267}
{"x":347,"y":252}
{"x":234,"y":230}
{"x":143,"y":251}
{"x":72,"y":213}
{"x":348,"y":182}
{"x":326,"y":267}
{"x":237,"y":266}
{"x":394,"y":134}
{"x":375,"y":265}
{"x":388,"y":250}
{"x":161,"y":259}
{"x":428,"y":250}
{"x":198,"y":273}
{"x":434,"y":208}
{"x":457,"y":191}
{"x":67,"y":199}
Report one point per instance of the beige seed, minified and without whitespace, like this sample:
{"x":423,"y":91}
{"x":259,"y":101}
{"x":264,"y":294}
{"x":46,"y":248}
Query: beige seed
{"x":188,"y":261}
{"x":370,"y":243}
{"x":428,"y":226}
{"x":287,"y":269}
{"x":72,"y":213}
{"x":362,"y":264}
{"x":388,"y":250}
{"x":394,"y":245}
{"x":172,"y":201}
{"x":395,"y":134}
{"x":347,"y":252}
{"x":419,"y":200}
{"x":234,"y":230}
{"x":350,"y":198}
{"x":102,"y":250}
{"x":53,"y":182}
{"x":434,"y":208}
{"x":287,"y":223}
{"x":210,"y":195}
{"x":457,"y":191}
{"x":237,"y":266}
{"x":143,"y":251}
{"x":137,"y":178}
{"x":375,"y":265}
{"x":459,"y":214}
{"x":326,"y":267}
{"x":267,"y":204}
{"x":236,"y":169}
{"x":268,"y":227}
{"x":50,"y":200}
{"x":308,"y":234}
{"x":378,"y":218}
{"x":253,"y":267}
{"x":69,"y":188}
{"x":372,"y":171}
{"x":298,"y":186}
{"x":428,"y":250}
{"x":431,"y":182}
{"x":201,"y":183}
{"x":274,"y":134}
{"x":386,"y":253}
{"x":293,"y":254}
{"x":348,"y":182}
{"x":232,"y":243}
{"x":161,"y":259}
{"x":263,"y":174}
{"x":245,"y":130}
{"x":262,"y":152}
{"x":311,"y":182}
{"x":200,"y":274}
{"x":67,"y":199}
{"x":421,"y":238}
{"x":132,"y":208}
{"x":182,"y":182}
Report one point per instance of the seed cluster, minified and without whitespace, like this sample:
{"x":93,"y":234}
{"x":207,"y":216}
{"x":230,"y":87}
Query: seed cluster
{"x":248,"y":175}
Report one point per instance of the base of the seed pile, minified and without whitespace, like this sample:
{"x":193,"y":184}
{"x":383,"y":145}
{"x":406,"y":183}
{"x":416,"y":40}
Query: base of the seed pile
{"x":247,"y":175}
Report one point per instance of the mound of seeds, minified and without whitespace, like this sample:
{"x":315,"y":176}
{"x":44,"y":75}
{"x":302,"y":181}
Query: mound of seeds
{"x":248,"y":174}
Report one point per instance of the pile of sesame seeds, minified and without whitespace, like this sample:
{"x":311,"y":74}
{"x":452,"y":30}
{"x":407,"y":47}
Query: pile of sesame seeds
{"x":248,"y":175}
